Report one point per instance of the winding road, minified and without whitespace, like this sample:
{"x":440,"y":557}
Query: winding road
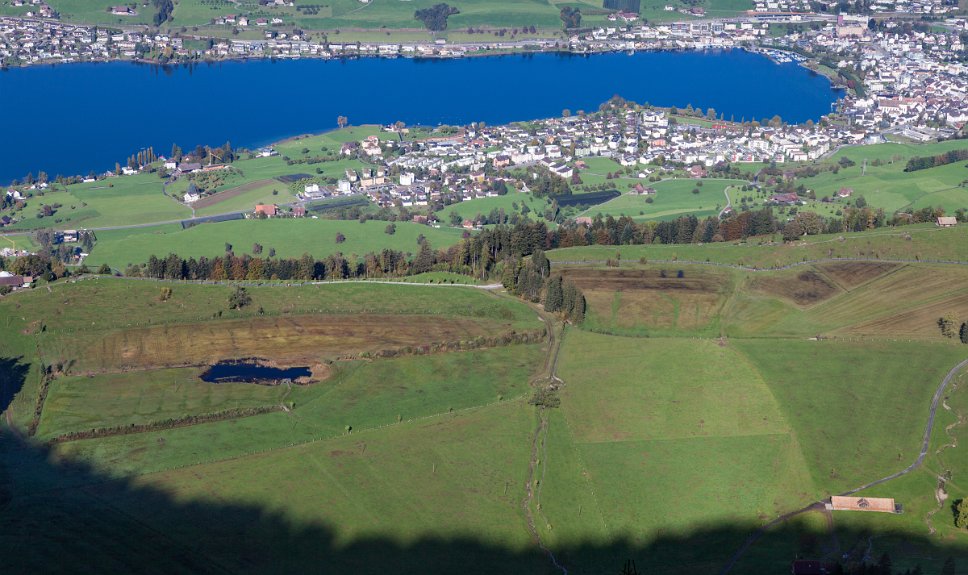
{"x":818,"y":505}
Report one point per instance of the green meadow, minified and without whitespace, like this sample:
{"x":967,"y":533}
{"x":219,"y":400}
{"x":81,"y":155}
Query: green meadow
{"x":916,"y":242}
{"x":289,"y":237}
{"x":888,"y":186}
{"x":693,"y":409}
{"x":472,"y":209}
{"x":673,"y":198}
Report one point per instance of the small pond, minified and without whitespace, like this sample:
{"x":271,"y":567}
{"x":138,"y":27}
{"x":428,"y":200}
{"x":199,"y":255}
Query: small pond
{"x":252,"y":372}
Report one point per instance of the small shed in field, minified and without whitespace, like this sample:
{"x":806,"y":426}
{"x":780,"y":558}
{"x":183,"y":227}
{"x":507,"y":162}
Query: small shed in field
{"x":947,"y":222}
{"x":879,"y":504}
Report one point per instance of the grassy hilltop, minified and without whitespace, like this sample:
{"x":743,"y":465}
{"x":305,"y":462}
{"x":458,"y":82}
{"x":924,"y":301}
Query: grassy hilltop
{"x":697,"y":403}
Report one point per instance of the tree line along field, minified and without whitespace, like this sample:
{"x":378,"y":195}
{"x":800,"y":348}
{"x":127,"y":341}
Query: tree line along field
{"x":694,"y":408}
{"x":920,"y":242}
{"x":289,"y":238}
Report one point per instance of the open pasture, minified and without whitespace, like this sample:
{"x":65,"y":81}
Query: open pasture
{"x":361,"y":393}
{"x":844,"y":401}
{"x":143,"y":397}
{"x":921,"y":242}
{"x":656,"y":427}
{"x":652,"y":301}
{"x":120,"y":201}
{"x":673,"y":198}
{"x":879,"y":176}
{"x":288,"y":340}
{"x":291,"y":238}
{"x":446,"y":479}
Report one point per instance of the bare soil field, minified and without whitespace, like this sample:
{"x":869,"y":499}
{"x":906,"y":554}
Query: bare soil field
{"x":920,"y":322}
{"x":283,"y":340}
{"x":852,"y":274}
{"x":208,"y":201}
{"x":643,"y":299}
{"x":805,"y":288}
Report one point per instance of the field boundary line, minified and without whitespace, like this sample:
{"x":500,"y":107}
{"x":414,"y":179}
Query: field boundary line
{"x":304,"y":442}
{"x":817,"y":505}
{"x":747,"y":268}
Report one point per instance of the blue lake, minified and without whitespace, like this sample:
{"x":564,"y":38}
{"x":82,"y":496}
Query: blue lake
{"x":69,"y":119}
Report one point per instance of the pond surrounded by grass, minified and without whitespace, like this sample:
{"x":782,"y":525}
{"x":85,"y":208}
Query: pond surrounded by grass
{"x":253,"y":372}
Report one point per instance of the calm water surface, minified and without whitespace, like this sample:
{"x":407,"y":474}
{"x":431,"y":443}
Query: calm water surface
{"x":69,"y":119}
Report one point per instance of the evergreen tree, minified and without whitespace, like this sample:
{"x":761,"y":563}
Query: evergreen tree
{"x":554,"y":295}
{"x":425,"y":259}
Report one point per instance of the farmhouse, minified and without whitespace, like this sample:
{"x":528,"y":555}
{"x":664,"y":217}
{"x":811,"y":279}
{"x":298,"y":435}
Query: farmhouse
{"x":947,"y":222}
{"x":9,"y":280}
{"x":879,"y":504}
{"x":790,"y":199}
{"x":641,"y":190}
{"x":268,"y":210}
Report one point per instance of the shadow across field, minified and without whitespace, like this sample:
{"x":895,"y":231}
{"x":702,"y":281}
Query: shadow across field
{"x":67,"y":517}
{"x":13,"y":374}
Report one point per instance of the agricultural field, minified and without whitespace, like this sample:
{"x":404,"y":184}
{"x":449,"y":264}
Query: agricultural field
{"x":391,"y":15}
{"x":922,"y":242}
{"x":115,"y":202}
{"x":510,"y":203}
{"x":695,"y":404}
{"x":879,"y":176}
{"x":119,"y":248}
{"x":99,"y":12}
{"x":653,"y":302}
{"x":673,"y":198}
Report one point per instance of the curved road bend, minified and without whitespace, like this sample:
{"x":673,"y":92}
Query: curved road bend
{"x":925,"y":444}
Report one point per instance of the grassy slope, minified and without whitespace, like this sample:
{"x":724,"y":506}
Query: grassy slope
{"x":926,"y":243}
{"x":367,"y":396}
{"x":471,"y":209}
{"x":889,"y":186}
{"x":114,"y":202}
{"x":650,"y":431}
{"x":840,"y":399}
{"x":444,"y":478}
{"x":674,"y":198}
{"x":290,"y":238}
{"x":656,"y":438}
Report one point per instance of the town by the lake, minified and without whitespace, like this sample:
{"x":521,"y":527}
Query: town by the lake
{"x":664,"y":287}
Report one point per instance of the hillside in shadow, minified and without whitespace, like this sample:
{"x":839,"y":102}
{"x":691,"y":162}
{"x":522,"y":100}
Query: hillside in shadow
{"x":66,"y":517}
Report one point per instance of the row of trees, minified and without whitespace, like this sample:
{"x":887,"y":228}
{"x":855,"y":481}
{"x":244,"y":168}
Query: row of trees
{"x":388,"y":263}
{"x":142,"y":158}
{"x":924,"y":162}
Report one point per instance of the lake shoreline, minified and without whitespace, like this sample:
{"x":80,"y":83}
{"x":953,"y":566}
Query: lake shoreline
{"x":740,"y":84}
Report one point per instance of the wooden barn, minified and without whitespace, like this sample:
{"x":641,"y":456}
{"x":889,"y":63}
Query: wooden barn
{"x":879,"y":504}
